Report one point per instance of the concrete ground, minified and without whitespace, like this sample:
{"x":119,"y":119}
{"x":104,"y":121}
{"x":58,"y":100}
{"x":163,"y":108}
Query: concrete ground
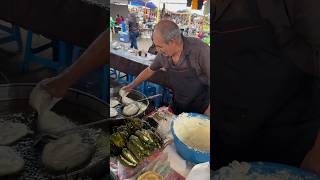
{"x":143,"y":43}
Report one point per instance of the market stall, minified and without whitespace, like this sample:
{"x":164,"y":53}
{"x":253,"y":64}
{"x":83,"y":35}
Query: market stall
{"x":123,"y":62}
{"x":148,"y":144}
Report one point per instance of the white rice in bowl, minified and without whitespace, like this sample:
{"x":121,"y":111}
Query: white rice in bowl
{"x":193,"y":131}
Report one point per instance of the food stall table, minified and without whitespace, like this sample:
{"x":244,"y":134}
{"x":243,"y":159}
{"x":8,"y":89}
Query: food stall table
{"x":134,"y":65}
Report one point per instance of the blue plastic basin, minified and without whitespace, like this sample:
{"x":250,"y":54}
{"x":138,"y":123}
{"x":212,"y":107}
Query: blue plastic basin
{"x":187,"y":152}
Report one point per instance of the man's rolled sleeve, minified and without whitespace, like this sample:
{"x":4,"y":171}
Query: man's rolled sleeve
{"x":157,"y":63}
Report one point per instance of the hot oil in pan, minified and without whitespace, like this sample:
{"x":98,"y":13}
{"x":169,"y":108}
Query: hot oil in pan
{"x":32,"y":155}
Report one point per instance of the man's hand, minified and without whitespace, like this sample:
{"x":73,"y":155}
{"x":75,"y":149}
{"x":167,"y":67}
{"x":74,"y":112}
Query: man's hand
{"x":311,"y":161}
{"x":128,"y":87}
{"x":207,"y":112}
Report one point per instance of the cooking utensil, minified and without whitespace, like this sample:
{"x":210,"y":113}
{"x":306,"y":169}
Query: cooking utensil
{"x":134,"y":95}
{"x":150,"y":97}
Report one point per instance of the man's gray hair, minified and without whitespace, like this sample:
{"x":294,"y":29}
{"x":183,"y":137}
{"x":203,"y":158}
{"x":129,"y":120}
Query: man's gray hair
{"x":168,"y":30}
{"x":176,"y":33}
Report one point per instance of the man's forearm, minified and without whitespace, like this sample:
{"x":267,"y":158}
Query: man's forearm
{"x":143,"y":76}
{"x":95,"y":56}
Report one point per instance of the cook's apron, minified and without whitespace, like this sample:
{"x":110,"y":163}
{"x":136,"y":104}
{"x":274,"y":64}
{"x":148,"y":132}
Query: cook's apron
{"x":261,"y":101}
{"x":190,"y":94}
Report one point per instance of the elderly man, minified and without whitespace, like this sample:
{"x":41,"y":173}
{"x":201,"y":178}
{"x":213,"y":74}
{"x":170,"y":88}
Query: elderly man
{"x":187,"y":62}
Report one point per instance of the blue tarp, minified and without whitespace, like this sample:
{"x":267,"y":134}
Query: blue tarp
{"x":142,"y":3}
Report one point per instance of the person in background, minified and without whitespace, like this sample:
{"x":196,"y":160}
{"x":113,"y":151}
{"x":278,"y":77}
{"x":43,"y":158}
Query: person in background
{"x":123,"y":26}
{"x":187,"y":63}
{"x":118,"y":20}
{"x":112,"y":24}
{"x":133,"y":30}
{"x":122,"y":18}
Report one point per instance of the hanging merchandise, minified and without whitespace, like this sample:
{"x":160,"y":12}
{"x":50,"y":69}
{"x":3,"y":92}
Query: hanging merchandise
{"x":194,"y":5}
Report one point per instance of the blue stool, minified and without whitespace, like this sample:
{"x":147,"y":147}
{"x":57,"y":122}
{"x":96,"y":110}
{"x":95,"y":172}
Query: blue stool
{"x":123,"y":79}
{"x":167,"y":96}
{"x":62,"y":54}
{"x":77,"y":51}
{"x":15,"y":35}
{"x":114,"y":73}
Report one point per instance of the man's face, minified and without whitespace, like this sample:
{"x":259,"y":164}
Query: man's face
{"x":161,"y":46}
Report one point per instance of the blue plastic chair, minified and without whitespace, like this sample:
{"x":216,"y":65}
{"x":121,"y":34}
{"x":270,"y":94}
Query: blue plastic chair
{"x":123,"y":79}
{"x":114,"y":73}
{"x":150,"y":89}
{"x":62,"y":54}
{"x":14,"y":35}
{"x":77,"y":51}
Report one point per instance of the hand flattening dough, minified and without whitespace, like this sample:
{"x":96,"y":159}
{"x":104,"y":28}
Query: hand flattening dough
{"x":41,"y":100}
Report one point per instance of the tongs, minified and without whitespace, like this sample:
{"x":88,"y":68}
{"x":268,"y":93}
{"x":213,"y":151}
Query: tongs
{"x":150,"y":97}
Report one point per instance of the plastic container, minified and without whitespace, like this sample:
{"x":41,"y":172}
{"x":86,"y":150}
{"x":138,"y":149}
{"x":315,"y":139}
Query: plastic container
{"x":123,"y":37}
{"x":185,"y":151}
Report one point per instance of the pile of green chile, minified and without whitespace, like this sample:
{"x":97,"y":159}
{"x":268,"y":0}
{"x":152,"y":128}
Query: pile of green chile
{"x":134,"y":141}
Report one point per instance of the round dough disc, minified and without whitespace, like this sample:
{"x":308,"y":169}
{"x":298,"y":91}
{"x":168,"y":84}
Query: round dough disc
{"x":12,"y":132}
{"x":67,"y":152}
{"x":130,"y":109}
{"x":114,"y":103}
{"x":10,"y":162}
{"x":123,"y":93}
{"x":126,"y":100}
{"x":113,"y":112}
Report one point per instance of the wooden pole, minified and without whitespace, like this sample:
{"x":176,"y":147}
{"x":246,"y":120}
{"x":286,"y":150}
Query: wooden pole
{"x":158,"y":12}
